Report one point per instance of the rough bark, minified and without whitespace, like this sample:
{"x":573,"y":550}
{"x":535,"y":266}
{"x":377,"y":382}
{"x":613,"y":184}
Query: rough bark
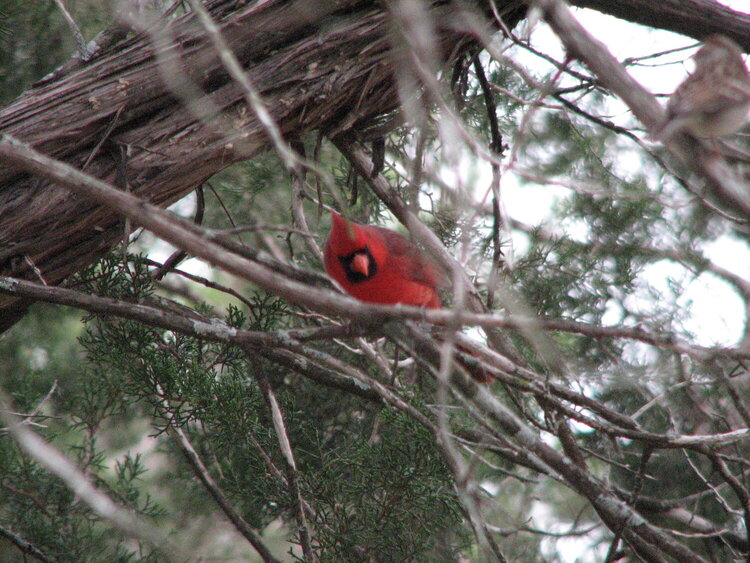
{"x":325,"y":68}
{"x":322,"y":65}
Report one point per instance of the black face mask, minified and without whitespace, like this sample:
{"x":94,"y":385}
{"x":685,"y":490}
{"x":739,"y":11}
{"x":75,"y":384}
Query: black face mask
{"x":355,"y":276}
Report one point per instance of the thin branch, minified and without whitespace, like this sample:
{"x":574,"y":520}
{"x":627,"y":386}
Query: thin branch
{"x":703,"y":526}
{"x":734,"y":395}
{"x":200,"y":470}
{"x":616,"y":514}
{"x":179,"y":255}
{"x":252,"y":96}
{"x":216,"y":330}
{"x":499,"y":220}
{"x":83,"y":50}
{"x":266,"y":227}
{"x":298,"y":213}
{"x":291,"y":466}
{"x":737,"y":486}
{"x":25,"y":546}
{"x":203,"y":281}
{"x":172,"y":229}
{"x":194,"y":239}
{"x":689,"y":258}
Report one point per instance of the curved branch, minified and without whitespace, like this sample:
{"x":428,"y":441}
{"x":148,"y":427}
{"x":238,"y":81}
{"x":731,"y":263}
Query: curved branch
{"x":694,"y":18}
{"x":213,"y":489}
{"x":123,"y":519}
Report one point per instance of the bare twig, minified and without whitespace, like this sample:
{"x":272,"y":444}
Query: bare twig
{"x":724,"y":182}
{"x":83,"y":50}
{"x":201,"y":471}
{"x":291,"y":466}
{"x":25,"y":546}
{"x":252,"y":96}
{"x":179,"y":255}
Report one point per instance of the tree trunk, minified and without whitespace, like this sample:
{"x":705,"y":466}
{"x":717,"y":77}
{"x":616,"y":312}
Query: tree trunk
{"x":322,"y":65}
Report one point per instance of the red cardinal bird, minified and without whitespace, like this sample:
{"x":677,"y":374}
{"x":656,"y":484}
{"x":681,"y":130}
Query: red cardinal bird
{"x":381,"y":266}
{"x":378,"y":265}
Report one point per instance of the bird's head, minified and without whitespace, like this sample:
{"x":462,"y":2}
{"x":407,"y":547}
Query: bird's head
{"x":351,"y":245}
{"x":718,"y":50}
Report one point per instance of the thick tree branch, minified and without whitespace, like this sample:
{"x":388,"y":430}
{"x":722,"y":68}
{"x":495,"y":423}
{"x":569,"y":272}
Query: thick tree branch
{"x":292,"y":482}
{"x":282,"y":345}
{"x":322,"y":65}
{"x":569,"y":472}
{"x":277,"y":42}
{"x":694,"y":18}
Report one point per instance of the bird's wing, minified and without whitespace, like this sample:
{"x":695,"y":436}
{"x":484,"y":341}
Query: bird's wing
{"x":416,"y":264}
{"x":692,"y":96}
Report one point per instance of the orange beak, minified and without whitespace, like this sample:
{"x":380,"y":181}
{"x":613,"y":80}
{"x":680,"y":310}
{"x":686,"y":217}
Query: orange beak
{"x":361,"y":264}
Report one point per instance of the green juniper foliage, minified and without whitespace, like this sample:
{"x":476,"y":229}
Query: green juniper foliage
{"x":359,"y":463}
{"x":35,"y":39}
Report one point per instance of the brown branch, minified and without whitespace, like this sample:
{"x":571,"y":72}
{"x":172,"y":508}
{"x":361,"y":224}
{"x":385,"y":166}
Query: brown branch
{"x":619,"y":517}
{"x":281,"y":347}
{"x":298,"y":213}
{"x":200,"y":471}
{"x":319,"y":372}
{"x":193,"y":239}
{"x":167,"y":226}
{"x":734,"y":395}
{"x":530,"y":382}
{"x":279,"y":425}
{"x":693,"y":521}
{"x":496,"y":144}
{"x":736,"y":484}
{"x":694,"y":18}
{"x":83,"y":51}
{"x":200,"y":280}
{"x":179,"y":255}
{"x":322,"y":65}
{"x":25,"y":546}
